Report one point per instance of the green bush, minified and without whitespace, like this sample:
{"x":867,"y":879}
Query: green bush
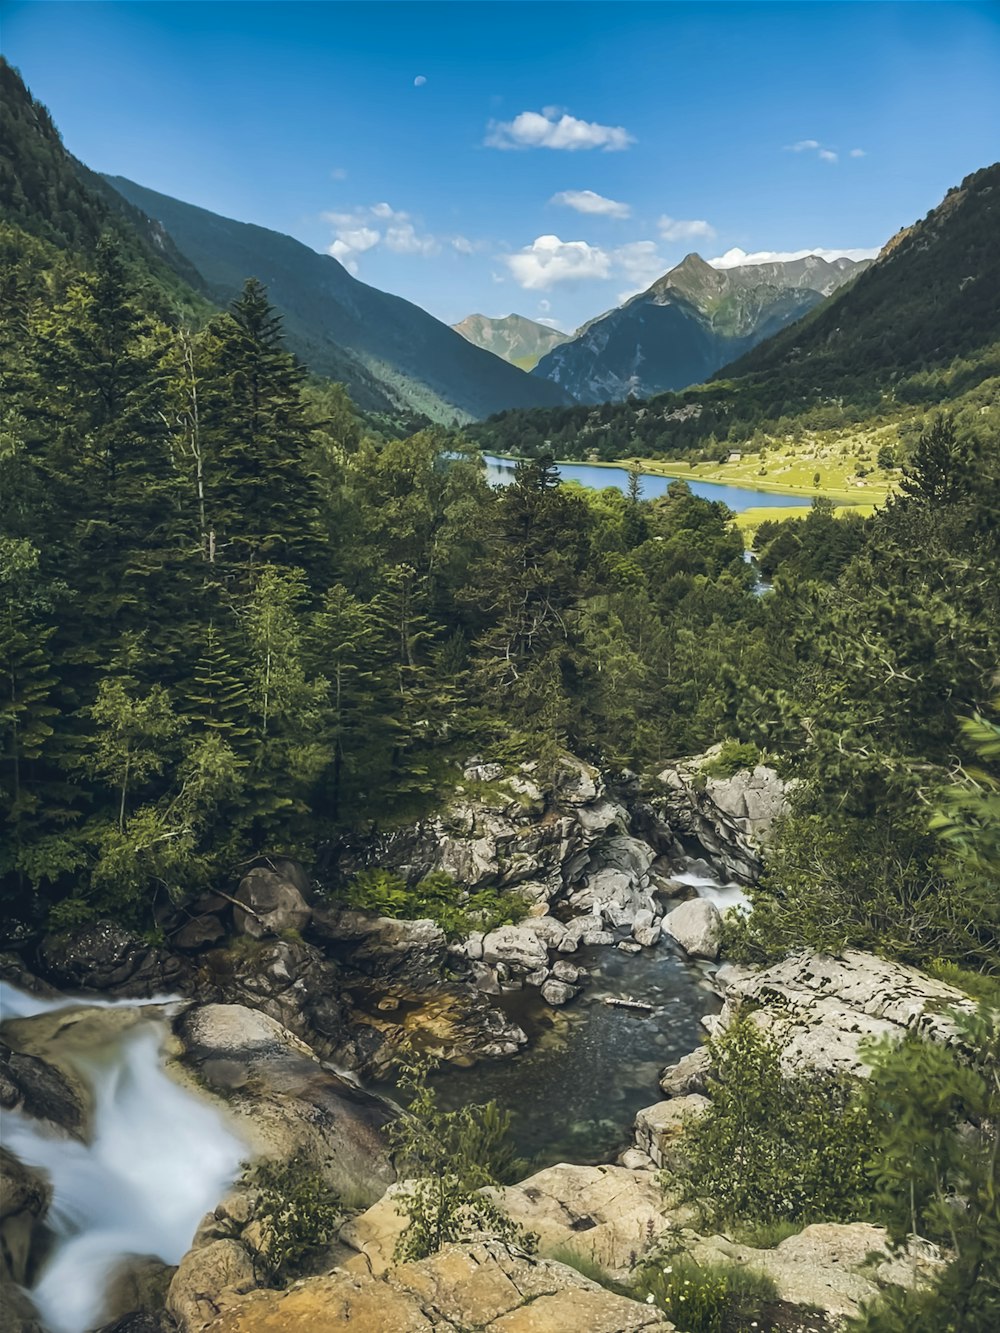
{"x":705,"y":1298}
{"x":298,"y":1213}
{"x":772,"y":1147}
{"x":448,"y":1158}
{"x":438,"y":898}
{"x":732,"y":757}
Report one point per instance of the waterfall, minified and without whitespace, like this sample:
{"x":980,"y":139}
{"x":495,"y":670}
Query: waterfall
{"x":158,"y":1160}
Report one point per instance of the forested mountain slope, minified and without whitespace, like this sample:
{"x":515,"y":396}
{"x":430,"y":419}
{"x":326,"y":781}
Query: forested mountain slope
{"x":690,"y":322}
{"x":340,"y":327}
{"x":920,"y":326}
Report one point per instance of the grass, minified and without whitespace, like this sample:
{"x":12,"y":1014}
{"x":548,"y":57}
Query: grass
{"x":706,"y":1298}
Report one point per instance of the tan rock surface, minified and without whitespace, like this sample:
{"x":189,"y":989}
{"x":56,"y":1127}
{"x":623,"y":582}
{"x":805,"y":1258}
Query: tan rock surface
{"x":478,"y":1287}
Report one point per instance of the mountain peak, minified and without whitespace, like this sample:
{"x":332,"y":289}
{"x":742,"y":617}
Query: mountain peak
{"x":514,"y":338}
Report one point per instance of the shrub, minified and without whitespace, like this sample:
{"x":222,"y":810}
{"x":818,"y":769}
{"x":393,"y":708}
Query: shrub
{"x":705,"y":1298}
{"x":436,"y":897}
{"x":298,"y":1213}
{"x":449,"y":1158}
{"x":772,"y":1147}
{"x":732,"y":756}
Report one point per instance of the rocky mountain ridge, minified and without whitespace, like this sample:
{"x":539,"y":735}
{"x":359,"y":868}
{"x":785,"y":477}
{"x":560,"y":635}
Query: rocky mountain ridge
{"x":689,"y":323}
{"x":521,"y":341}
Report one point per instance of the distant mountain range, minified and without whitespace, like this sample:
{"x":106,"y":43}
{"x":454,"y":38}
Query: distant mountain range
{"x":521,"y":341}
{"x":688,"y":324}
{"x":919,"y":326}
{"x":387,"y":351}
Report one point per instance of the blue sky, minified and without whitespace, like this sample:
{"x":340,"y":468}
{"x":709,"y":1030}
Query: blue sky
{"x":547,"y":158}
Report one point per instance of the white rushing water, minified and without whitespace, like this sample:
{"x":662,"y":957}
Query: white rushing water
{"x":158,"y":1161}
{"x":707,"y":886}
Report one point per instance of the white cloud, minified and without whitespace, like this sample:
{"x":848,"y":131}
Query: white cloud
{"x":544,"y":305}
{"x":552,"y":129}
{"x":420,"y":80}
{"x":676,"y":229}
{"x":858,"y":152}
{"x":814,"y":146}
{"x":463,"y":245}
{"x":548,"y":260}
{"x":338,"y":174}
{"x":364,"y":228}
{"x":588,"y":201}
{"x":640,"y":262}
{"x":736,"y":257}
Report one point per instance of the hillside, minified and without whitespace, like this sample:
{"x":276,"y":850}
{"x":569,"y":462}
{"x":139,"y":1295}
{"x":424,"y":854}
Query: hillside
{"x":340,"y":327}
{"x":688,"y":324}
{"x":932,"y":295}
{"x":919,"y":328}
{"x":519,"y":340}
{"x":46,"y":193}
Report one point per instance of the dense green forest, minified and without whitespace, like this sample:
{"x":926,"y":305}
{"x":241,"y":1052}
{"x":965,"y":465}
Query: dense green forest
{"x":234,"y":622}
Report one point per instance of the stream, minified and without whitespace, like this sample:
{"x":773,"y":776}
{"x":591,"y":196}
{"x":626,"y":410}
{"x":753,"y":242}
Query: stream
{"x":574,"y":1091}
{"x":159,"y":1160}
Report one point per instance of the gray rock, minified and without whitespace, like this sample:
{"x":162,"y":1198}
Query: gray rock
{"x":558,"y":992}
{"x":480,"y":772}
{"x":568,"y":972}
{"x":518,"y":947}
{"x":647,"y":936}
{"x":537,"y":978}
{"x":823,"y":1010}
{"x":273,"y":905}
{"x":696,"y":926}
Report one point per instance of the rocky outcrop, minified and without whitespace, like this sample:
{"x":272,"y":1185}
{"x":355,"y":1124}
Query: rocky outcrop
{"x":835,"y":1267}
{"x":731,"y":817}
{"x":25,"y":1195}
{"x":823,"y":1010}
{"x":482,"y":1286}
{"x":271,"y":905}
{"x":106,"y":957}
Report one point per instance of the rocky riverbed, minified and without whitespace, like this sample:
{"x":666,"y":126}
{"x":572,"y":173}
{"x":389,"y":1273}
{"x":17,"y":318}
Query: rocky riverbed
{"x":285,"y":1006}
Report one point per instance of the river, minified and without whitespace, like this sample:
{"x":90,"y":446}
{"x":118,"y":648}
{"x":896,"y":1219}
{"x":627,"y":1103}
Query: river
{"x":500,"y":472}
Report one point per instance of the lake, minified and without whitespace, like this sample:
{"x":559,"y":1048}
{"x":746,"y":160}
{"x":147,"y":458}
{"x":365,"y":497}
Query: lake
{"x":500,"y":472}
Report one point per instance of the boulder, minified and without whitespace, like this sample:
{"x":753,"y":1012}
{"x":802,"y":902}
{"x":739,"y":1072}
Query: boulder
{"x":138,"y":1286}
{"x":558,"y":992}
{"x":657,"y":1127}
{"x":688,"y":1075}
{"x":42,"y":1091}
{"x":576,"y":782}
{"x":273,"y":905}
{"x":207,"y":1279}
{"x":518,"y":946}
{"x":647,"y":936}
{"x":696,"y":926}
{"x":569,"y":972}
{"x":108,"y":958}
{"x":607,"y":1214}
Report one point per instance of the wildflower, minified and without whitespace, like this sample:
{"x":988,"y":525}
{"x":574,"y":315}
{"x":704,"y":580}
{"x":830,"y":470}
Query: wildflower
{"x":650,"y":1299}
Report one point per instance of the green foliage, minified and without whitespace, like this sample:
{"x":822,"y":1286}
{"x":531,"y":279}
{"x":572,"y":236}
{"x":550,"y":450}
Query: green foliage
{"x":448,"y":1158}
{"x":774,"y":1147}
{"x":436,"y":897}
{"x":297,"y":1213}
{"x":706,"y":1298}
{"x":937,"y":1174}
{"x":731,"y":757}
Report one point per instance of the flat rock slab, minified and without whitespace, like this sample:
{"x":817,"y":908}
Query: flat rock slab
{"x":478,"y":1287}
